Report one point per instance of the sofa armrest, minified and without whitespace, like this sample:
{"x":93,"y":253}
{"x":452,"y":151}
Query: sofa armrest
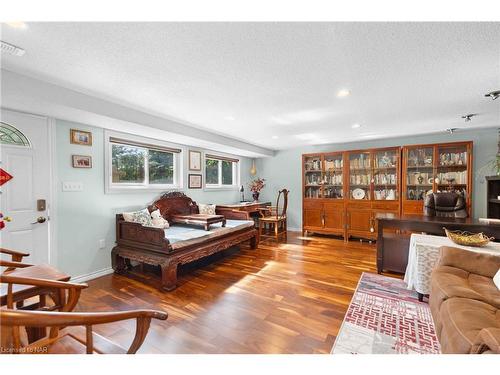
{"x":487,"y":341}
{"x":470,"y":261}
{"x":230,"y":214}
{"x":136,"y":235}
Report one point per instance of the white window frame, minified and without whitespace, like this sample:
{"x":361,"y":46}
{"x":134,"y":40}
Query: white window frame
{"x":236,"y":174}
{"x":146,"y":186}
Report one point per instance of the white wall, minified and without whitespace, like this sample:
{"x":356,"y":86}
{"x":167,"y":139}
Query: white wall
{"x":84,"y":218}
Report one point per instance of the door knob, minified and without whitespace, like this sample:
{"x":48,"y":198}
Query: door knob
{"x":40,"y":220}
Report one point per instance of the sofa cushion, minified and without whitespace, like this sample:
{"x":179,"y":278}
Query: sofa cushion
{"x":462,"y":319}
{"x":181,"y":236}
{"x":142,"y":217}
{"x":450,"y":282}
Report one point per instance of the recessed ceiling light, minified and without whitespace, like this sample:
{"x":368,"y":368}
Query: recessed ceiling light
{"x":274,"y":137}
{"x":229,"y":118}
{"x":355,"y":126}
{"x":306,"y":136}
{"x":343,"y":93}
{"x":17,"y":24}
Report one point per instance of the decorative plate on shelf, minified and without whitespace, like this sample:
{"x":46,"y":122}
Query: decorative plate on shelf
{"x":358,"y":193}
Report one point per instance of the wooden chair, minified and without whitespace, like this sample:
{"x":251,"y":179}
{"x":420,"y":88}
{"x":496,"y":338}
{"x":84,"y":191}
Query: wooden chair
{"x":73,"y":338}
{"x":17,"y":290}
{"x":275,"y":216}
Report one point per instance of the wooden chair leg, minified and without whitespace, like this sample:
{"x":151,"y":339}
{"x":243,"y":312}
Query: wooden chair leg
{"x":276,"y":231}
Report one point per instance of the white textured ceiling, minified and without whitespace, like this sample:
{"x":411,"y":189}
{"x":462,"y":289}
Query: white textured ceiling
{"x":275,"y":84}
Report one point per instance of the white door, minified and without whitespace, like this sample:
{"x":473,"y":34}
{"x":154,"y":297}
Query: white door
{"x":25,"y":156}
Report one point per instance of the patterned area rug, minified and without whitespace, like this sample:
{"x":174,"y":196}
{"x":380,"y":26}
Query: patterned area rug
{"x":385,"y":317}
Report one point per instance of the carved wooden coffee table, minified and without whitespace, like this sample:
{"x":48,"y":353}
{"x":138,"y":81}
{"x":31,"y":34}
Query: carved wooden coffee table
{"x":199,"y":219}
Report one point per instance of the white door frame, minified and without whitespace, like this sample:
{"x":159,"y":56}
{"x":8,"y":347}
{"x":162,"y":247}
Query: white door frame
{"x":52,"y":205}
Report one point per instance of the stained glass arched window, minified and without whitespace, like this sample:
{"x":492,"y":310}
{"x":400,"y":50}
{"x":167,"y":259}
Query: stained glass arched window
{"x":9,"y":135}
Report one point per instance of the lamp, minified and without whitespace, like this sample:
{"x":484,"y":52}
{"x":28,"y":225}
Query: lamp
{"x":253,"y":170}
{"x":242,"y":191}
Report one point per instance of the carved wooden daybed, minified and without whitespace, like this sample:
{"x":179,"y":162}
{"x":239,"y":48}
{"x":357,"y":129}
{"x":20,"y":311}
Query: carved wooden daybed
{"x":151,"y":246}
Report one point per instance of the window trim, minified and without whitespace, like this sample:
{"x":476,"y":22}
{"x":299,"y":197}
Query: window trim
{"x":111,"y":187}
{"x":220,"y":158}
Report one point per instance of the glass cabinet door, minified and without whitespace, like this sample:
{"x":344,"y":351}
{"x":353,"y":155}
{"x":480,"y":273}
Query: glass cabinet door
{"x":419,"y":173}
{"x":312,"y":176}
{"x":333,"y":183}
{"x":359,"y":175}
{"x":452,"y":169}
{"x":385,"y":175}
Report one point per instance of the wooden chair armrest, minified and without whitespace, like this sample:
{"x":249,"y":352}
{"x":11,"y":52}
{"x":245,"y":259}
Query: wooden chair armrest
{"x":55,"y":319}
{"x":16,"y":318}
{"x":12,"y":265}
{"x":8,"y":279}
{"x":17,"y":256}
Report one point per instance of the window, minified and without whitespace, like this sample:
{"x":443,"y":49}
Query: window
{"x":220,"y":172}
{"x":9,"y":135}
{"x":137,"y":165}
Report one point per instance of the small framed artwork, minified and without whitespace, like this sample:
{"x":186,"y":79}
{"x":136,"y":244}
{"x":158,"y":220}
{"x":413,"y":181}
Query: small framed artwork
{"x":80,"y":137}
{"x":82,"y":161}
{"x":194,"y":160}
{"x":194,"y":181}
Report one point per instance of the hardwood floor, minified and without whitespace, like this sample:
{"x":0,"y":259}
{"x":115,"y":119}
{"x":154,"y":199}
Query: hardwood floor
{"x":280,"y":298}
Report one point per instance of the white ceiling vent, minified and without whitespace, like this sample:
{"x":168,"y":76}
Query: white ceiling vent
{"x":12,"y":49}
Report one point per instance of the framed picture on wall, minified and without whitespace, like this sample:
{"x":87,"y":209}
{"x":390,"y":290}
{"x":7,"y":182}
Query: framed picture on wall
{"x":80,"y":137}
{"x":194,"y":181}
{"x":194,"y":160}
{"x":82,"y":161}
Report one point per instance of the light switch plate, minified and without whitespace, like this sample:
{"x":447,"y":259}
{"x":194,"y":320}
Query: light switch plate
{"x":102,"y":244}
{"x":72,"y":186}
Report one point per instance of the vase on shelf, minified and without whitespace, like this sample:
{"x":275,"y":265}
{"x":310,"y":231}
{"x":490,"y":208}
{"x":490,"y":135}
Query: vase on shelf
{"x":255,"y":196}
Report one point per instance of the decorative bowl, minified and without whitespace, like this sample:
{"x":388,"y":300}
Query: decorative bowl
{"x":468,"y":239}
{"x":358,"y":193}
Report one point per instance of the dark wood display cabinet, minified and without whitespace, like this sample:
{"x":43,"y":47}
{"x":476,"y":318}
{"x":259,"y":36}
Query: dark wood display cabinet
{"x":373,"y":185}
{"x":323,"y":193}
{"x":342,"y":191}
{"x":433,"y":168}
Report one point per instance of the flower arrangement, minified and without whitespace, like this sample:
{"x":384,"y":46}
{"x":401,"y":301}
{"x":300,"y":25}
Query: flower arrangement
{"x":257,"y":185}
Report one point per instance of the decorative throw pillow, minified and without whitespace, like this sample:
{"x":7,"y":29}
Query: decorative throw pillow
{"x":206,"y":209}
{"x":142,"y":217}
{"x":496,"y":279}
{"x":158,"y":220}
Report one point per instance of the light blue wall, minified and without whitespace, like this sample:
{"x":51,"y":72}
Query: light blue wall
{"x":84,"y":218}
{"x":284,"y":169}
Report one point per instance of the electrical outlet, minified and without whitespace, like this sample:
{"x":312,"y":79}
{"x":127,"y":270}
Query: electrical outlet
{"x":72,"y":186}
{"x":102,"y":244}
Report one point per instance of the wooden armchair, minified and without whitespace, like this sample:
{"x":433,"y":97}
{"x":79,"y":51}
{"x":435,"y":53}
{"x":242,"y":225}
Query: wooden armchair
{"x":16,"y":290}
{"x":275,"y":215}
{"x":73,"y":338}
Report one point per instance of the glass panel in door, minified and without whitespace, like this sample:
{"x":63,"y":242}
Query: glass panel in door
{"x":452,"y":173}
{"x":385,"y":175}
{"x":419,"y":173}
{"x":359,"y":175}
{"x":333,"y":183}
{"x":312,"y":176}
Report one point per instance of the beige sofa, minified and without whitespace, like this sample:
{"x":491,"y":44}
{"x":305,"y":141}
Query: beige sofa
{"x":465,"y":303}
